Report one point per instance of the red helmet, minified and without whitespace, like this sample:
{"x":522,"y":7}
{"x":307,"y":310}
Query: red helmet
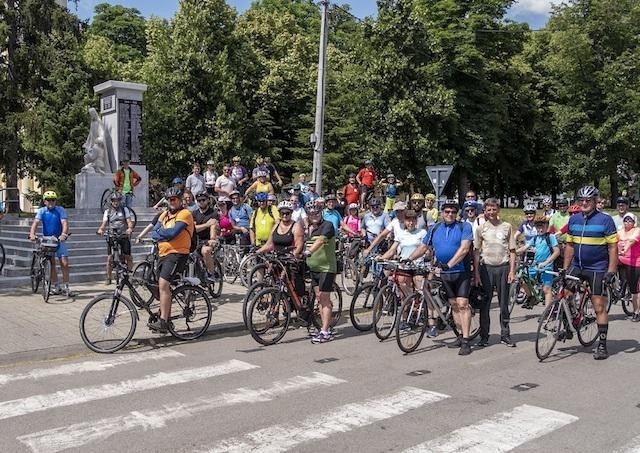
{"x":574,"y":209}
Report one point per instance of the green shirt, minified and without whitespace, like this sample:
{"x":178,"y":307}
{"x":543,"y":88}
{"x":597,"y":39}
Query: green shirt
{"x":557,"y":221}
{"x":126,"y":185}
{"x":323,"y":259}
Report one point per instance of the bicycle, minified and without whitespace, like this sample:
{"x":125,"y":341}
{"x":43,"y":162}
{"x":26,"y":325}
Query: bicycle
{"x":350,"y":276}
{"x":230,"y":256}
{"x":248,"y":262}
{"x":414,"y":312}
{"x":113,"y":241}
{"x":618,"y":291}
{"x":105,"y":203}
{"x":562,"y":318}
{"x":361,"y":308}
{"x":526,"y":290}
{"x":44,"y":253}
{"x":108,"y":322}
{"x":389,"y":298}
{"x":196,"y":267}
{"x":272,"y":306}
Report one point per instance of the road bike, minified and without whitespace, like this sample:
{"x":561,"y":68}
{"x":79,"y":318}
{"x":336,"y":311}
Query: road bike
{"x":430,"y":301}
{"x":44,"y":253}
{"x":271,"y":310}
{"x":389,"y":298}
{"x":105,"y":203}
{"x":569,"y":313}
{"x":361,"y":308}
{"x":108,"y":322}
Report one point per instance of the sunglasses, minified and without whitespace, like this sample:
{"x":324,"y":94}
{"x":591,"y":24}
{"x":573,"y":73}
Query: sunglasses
{"x":530,"y":213}
{"x":285,"y":212}
{"x":469,"y":210}
{"x":201,"y":200}
{"x":585,"y":200}
{"x":375,"y":206}
{"x":50,"y":199}
{"x":629,"y":220}
{"x":449,"y":211}
{"x":174,"y":199}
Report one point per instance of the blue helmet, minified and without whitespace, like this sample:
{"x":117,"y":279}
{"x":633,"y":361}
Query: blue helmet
{"x":177,"y":180}
{"x":261,"y":196}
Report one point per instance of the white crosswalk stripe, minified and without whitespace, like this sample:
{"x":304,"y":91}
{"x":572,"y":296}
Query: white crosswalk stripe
{"x":90,"y":365}
{"x":81,"y":434}
{"x":632,"y":447}
{"x":502,"y":432}
{"x":80,"y":395}
{"x":345,"y":418}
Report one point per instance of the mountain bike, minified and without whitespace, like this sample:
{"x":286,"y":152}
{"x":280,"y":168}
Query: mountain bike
{"x":196,"y":267}
{"x":389,"y":298}
{"x":618,"y":291}
{"x":105,"y":203}
{"x":113,"y":241}
{"x":564,"y":317}
{"x":526,"y":290}
{"x":44,"y":253}
{"x":109,"y":320}
{"x":248,"y":262}
{"x":350,"y":276}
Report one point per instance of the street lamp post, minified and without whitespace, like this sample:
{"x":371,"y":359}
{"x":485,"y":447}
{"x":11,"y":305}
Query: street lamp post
{"x":317,"y":139}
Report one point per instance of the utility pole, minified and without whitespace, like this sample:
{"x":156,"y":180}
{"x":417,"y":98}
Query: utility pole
{"x":317,"y":139}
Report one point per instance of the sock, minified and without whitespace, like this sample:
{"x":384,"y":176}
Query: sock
{"x":602,"y":332}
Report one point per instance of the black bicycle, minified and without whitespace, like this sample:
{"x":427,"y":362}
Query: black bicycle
{"x":44,"y":253}
{"x":109,"y":320}
{"x":2,"y":257}
{"x":105,"y":203}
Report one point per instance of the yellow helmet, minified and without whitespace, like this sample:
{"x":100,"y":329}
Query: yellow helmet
{"x":430,"y":196}
{"x":50,"y":195}
{"x":417,"y":196}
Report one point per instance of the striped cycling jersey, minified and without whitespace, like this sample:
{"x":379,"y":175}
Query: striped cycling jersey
{"x":591,"y":236}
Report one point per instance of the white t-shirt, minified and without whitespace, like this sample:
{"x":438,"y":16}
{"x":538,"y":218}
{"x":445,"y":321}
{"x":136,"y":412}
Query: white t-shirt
{"x":210,"y":178}
{"x":298,"y":215}
{"x":395,"y":227}
{"x":408,"y":241}
{"x":195,"y":183}
{"x":226,"y":184}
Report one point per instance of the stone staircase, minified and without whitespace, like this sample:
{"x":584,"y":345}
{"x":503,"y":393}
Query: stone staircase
{"x":87,"y":251}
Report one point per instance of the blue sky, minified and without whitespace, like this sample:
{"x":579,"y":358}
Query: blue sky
{"x":535,"y":12}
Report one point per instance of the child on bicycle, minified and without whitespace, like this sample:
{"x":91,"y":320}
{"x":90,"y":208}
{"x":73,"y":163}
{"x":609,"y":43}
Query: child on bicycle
{"x":546,"y":249}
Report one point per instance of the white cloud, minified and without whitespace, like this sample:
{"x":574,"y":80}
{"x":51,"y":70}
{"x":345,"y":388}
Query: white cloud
{"x":532,"y":6}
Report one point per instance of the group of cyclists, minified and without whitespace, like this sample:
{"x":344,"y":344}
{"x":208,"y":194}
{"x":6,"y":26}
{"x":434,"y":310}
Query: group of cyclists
{"x":470,"y":245}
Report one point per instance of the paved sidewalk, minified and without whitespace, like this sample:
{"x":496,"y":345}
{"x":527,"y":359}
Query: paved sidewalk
{"x":29,"y":328}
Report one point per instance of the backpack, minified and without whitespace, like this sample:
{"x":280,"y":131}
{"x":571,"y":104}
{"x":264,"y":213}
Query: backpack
{"x":468,"y":260}
{"x":547,"y":240}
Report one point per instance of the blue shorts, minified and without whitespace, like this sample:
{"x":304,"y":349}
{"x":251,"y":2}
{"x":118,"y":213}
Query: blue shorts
{"x":547,"y":279}
{"x":62,"y":250}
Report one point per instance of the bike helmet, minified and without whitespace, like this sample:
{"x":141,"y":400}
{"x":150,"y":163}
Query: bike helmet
{"x":223,"y":199}
{"x":271,"y":198}
{"x":540,"y":219}
{"x":450,"y":203}
{"x":285,"y":204}
{"x":399,"y":206}
{"x":562,"y":202}
{"x":116,"y":196}
{"x":210,"y":162}
{"x":234,"y":193}
{"x":261,"y":196}
{"x":574,"y":209}
{"x":587,"y":192}
{"x":622,"y":200}
{"x":330,"y":197}
{"x":417,"y":196}
{"x":470,"y":205}
{"x":309,"y":205}
{"x":172,"y":192}
{"x":353,"y":206}
{"x":430,"y":196}
{"x":546,"y":200}
{"x":177,"y":180}
{"x":529,"y":208}
{"x":50,"y":195}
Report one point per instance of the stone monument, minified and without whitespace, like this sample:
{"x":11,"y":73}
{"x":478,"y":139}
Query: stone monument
{"x":114,"y":135}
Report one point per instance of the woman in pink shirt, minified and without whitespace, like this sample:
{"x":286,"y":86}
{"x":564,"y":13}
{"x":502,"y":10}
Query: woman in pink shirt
{"x":629,"y":257}
{"x":352,"y":221}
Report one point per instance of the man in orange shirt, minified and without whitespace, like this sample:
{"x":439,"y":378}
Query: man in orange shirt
{"x":367,"y":179}
{"x":173,"y":231}
{"x":125,"y":180}
{"x":351,"y":191}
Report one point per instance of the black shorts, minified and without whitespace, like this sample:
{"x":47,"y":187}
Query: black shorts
{"x":631,"y":275}
{"x":323,"y":280}
{"x":125,"y":246}
{"x":456,"y":284}
{"x":169,"y":266}
{"x":594,"y":278}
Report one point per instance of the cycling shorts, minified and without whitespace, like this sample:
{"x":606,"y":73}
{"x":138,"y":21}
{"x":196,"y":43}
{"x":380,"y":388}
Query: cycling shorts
{"x":594,"y":278}
{"x":171,"y":265}
{"x":456,"y":284}
{"x":125,"y":246}
{"x":631,"y":275}
{"x":323,"y":280}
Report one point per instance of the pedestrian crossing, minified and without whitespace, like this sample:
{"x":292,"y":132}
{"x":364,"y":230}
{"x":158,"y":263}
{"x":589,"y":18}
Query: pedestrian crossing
{"x":499,"y":432}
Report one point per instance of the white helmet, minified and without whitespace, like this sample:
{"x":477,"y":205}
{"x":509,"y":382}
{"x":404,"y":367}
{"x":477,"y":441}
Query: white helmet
{"x":529,"y":208}
{"x":353,"y":206}
{"x":546,"y":200}
{"x":285,"y":204}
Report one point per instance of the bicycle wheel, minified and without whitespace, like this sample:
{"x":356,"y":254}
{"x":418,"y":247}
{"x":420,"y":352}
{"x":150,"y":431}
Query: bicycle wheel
{"x":35,"y":273}
{"x":108,"y":323}
{"x":46,"y":279}
{"x":336,"y":308}
{"x":190,"y":312}
{"x":627,"y":305}
{"x":230,"y":265}
{"x":361,"y":309}
{"x":134,"y":217}
{"x":248,"y":297}
{"x":2,"y":257}
{"x":143,"y":276}
{"x":412,"y":323}
{"x":514,"y":289}
{"x":349,"y":276}
{"x":385,"y":309}
{"x":588,"y":328}
{"x":247,"y":263}
{"x":474,"y":331}
{"x":269,"y":316}
{"x":549,"y":326}
{"x":214,"y":284}
{"x":259,"y":273}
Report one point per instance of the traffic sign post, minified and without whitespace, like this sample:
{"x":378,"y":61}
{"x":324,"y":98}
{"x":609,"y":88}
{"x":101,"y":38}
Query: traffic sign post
{"x":439,"y":176}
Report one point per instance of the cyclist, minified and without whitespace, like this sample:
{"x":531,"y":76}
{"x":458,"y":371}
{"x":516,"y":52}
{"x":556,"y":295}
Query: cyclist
{"x":225,"y":184}
{"x":374,"y":222}
{"x":629,"y":256}
{"x":262,"y":221}
{"x":472,"y":197}
{"x":394,"y":227}
{"x":547,"y":207}
{"x":451,"y":243}
{"x":287,"y":233}
{"x":471,"y":216}
{"x":304,"y":188}
{"x":546,"y":248}
{"x":311,"y":194}
{"x":331,"y":214}
{"x":173,"y":231}
{"x":239,"y":174}
{"x":430,"y":209}
{"x":240,"y":214}
{"x":592,"y":255}
{"x":176,"y":183}
{"x":351,"y":190}
{"x":227,"y":229}
{"x":274,"y":177}
{"x":54,"y":223}
{"x":260,"y":167}
{"x":119,"y":220}
{"x":188,"y":201}
{"x":320,"y":253}
{"x":557,"y":221}
{"x":600,"y":202}
{"x":352,"y":221}
{"x":125,"y":179}
{"x":494,"y":265}
{"x":526,"y":227}
{"x":195,"y":181}
{"x":298,"y":213}
{"x":622,"y":204}
{"x":210,"y":177}
{"x":206,"y":226}
{"x":261,"y":185}
{"x":390,"y":186}
{"x":366,"y":178}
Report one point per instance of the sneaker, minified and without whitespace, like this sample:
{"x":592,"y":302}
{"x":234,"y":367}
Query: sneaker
{"x":601,"y":352}
{"x":483,"y":343}
{"x":506,"y":340}
{"x":465,"y":348}
{"x":56,"y":291}
{"x":432,"y":331}
{"x":322,"y":337}
{"x":159,"y":326}
{"x":635,"y":317}
{"x":68,"y":292}
{"x":458,"y":341}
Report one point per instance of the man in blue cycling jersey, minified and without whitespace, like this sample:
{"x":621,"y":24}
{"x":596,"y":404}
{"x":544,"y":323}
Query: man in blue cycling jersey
{"x":54,"y":223}
{"x":592,"y":254}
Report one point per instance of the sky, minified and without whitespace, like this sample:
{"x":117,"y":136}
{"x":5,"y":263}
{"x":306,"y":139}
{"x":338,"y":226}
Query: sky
{"x":535,"y":12}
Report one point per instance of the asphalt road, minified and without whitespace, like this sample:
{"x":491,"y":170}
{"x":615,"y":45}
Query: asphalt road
{"x":353,"y":394}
